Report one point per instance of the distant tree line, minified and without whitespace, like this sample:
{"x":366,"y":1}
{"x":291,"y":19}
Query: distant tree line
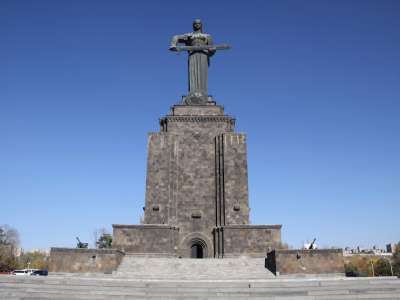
{"x":11,"y":260}
{"x":360,"y":266}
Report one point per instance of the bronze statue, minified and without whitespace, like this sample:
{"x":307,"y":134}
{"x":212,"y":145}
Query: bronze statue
{"x":200,"y":48}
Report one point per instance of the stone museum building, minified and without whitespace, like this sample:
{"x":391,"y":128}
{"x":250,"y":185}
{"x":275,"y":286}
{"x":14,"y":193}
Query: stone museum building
{"x":197,"y":190}
{"x":197,"y":202}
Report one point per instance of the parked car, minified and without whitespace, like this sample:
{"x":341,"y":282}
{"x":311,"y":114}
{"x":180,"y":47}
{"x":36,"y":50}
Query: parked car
{"x":43,"y":272}
{"x":23,"y":272}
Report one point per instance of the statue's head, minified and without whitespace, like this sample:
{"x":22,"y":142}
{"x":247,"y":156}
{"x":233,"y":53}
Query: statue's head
{"x":197,"y":26}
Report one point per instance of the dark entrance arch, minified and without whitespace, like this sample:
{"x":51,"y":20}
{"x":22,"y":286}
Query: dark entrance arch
{"x":194,"y":245}
{"x":196,"y":251}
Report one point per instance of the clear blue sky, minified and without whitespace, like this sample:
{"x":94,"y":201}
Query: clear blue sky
{"x":314,"y":84}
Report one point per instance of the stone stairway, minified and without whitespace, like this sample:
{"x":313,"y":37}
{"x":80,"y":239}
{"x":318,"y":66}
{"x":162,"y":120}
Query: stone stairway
{"x":192,"y":269}
{"x":140,"y":277}
{"x":87,"y":286}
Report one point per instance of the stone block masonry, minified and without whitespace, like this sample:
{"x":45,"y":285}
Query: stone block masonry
{"x":84,"y":260}
{"x":197,"y":190}
{"x":157,"y":239}
{"x":318,"y":261}
{"x":247,"y":240}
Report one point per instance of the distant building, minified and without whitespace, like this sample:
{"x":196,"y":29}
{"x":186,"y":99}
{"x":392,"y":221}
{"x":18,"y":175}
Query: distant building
{"x":391,"y":248}
{"x":375,"y":251}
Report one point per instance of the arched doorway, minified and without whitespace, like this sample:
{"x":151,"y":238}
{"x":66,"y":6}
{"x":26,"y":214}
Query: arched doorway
{"x":195,"y":245}
{"x":196,"y":251}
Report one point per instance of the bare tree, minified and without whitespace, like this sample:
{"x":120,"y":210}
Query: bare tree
{"x":97,"y":234}
{"x":9,"y":236}
{"x":9,"y":241}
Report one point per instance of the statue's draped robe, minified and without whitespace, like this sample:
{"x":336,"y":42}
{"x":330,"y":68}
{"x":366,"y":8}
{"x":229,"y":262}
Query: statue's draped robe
{"x":198,"y":65}
{"x":198,"y":61}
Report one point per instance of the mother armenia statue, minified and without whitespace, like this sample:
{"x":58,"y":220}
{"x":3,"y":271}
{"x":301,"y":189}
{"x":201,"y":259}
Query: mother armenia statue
{"x":200,"y":48}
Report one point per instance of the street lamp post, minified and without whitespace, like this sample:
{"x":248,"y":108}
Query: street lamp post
{"x":373,"y":271}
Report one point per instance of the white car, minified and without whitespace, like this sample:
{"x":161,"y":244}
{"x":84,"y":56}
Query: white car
{"x":24,"y":272}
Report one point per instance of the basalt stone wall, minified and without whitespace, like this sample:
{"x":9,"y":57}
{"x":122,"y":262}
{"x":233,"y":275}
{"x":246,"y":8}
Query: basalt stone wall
{"x":197,"y":181}
{"x":141,"y":239}
{"x":73,"y":260}
{"x":247,"y":240}
{"x":231,"y":148}
{"x":161,"y":180}
{"x":319,"y":261}
{"x":180,"y":185}
{"x":196,"y":175}
{"x":196,"y":110}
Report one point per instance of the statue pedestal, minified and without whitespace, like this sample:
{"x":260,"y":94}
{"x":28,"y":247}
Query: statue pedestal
{"x":196,"y":190}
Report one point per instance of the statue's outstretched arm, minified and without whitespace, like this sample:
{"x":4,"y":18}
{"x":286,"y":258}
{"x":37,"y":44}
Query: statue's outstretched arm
{"x":210,"y":42}
{"x":177,"y":39}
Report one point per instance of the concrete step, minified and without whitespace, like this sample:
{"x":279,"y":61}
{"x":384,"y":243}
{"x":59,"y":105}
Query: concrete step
{"x":229,"y":268}
{"x":108,"y":280}
{"x":191,"y":296}
{"x":59,"y":293}
{"x":108,"y":287}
